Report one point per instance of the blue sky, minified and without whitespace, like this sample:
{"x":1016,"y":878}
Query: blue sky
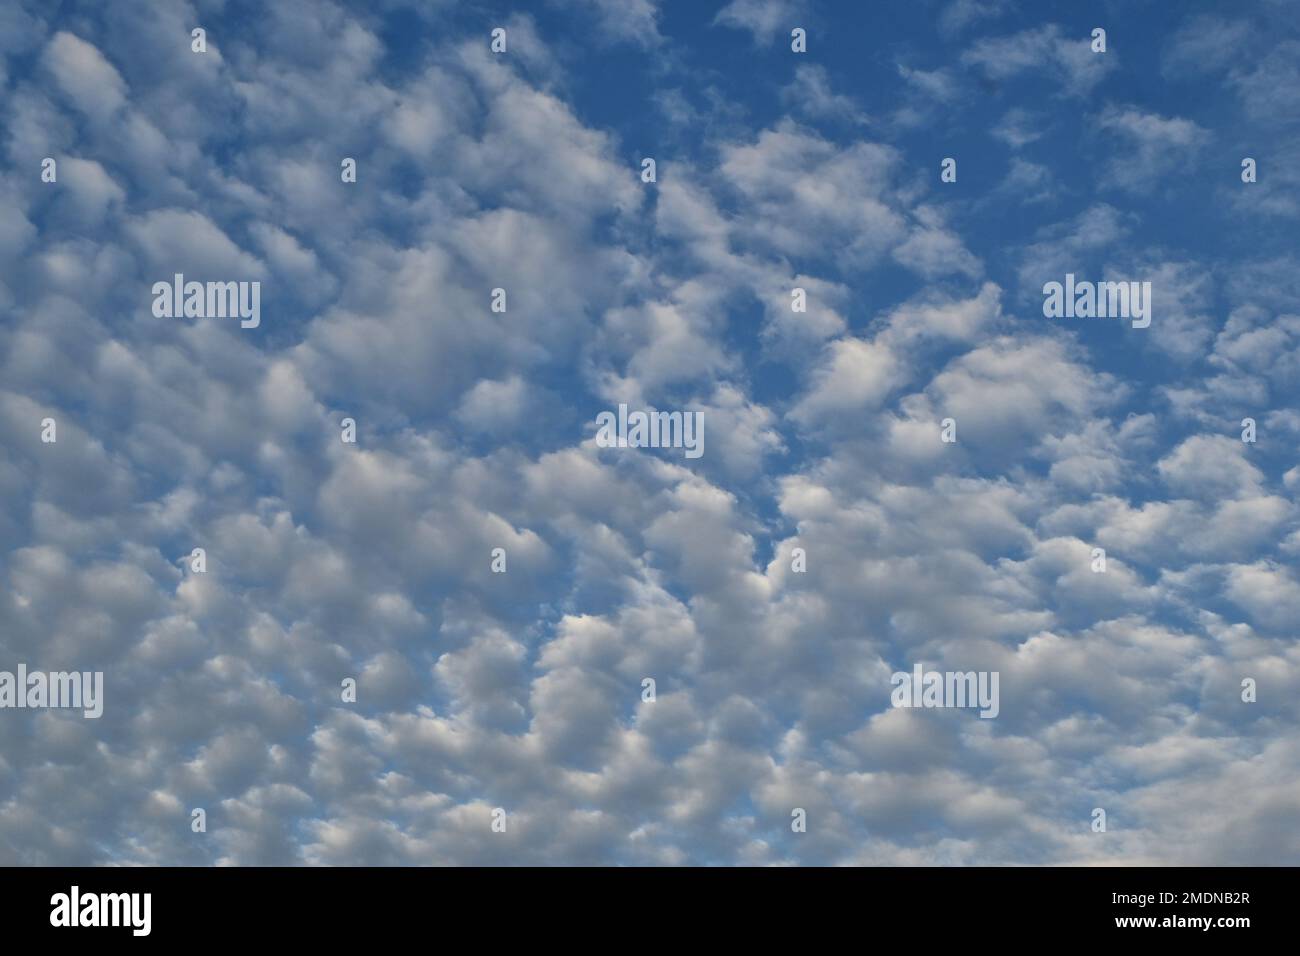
{"x":476,"y":430}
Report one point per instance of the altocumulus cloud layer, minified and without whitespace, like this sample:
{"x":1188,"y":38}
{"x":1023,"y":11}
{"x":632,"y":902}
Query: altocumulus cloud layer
{"x":475,"y":430}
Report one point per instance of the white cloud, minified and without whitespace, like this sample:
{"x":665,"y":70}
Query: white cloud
{"x":1046,"y":49}
{"x":764,"y":19}
{"x":328,"y":560}
{"x":80,"y":70}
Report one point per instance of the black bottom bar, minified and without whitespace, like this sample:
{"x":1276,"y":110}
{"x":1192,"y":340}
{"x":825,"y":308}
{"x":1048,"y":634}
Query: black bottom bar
{"x":657,"y":907}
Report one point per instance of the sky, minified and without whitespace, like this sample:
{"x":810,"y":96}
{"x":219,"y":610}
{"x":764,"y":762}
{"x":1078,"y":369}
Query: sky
{"x":500,"y":713}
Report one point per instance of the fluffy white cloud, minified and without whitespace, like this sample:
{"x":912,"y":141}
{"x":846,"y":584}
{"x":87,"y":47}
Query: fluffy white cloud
{"x":523,"y":690}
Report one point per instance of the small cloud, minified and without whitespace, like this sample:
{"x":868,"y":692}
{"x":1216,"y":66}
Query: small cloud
{"x":1067,"y":59}
{"x":1019,"y":127}
{"x":960,"y":14}
{"x":810,"y":93}
{"x":1205,"y":44}
{"x":765,"y":19}
{"x":1158,"y":144}
{"x":1028,"y":182}
{"x":621,"y":21}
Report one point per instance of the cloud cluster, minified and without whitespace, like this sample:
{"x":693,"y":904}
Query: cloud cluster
{"x":523,"y":690}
